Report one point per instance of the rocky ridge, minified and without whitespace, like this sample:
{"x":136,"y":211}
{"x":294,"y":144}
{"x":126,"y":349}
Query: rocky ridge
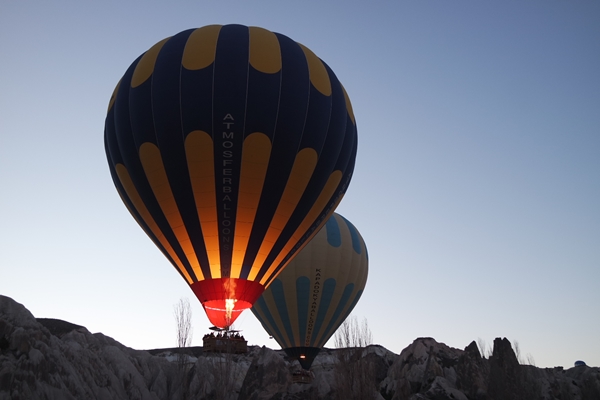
{"x":53,"y":359}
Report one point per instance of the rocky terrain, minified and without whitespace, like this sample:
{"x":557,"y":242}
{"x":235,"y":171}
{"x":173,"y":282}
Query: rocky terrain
{"x":53,"y":359}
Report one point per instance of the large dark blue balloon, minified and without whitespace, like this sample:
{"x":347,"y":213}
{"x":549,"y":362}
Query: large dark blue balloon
{"x":230,"y":146}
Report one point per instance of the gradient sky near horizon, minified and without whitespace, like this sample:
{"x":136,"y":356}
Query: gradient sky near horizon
{"x":476,"y":187}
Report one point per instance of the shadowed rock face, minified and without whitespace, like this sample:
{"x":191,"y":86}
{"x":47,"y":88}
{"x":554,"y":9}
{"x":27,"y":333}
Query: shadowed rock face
{"x":53,"y":359}
{"x":430,"y":370}
{"x":58,"y":327}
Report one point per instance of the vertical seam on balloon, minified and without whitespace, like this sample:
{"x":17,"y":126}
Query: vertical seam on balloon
{"x":302,"y":304}
{"x":318,"y":75}
{"x":344,"y":309}
{"x":328,"y":287}
{"x":324,"y":197}
{"x":142,"y":210}
{"x":356,"y":242}
{"x":200,"y":162}
{"x":271,"y":327}
{"x":267,"y":42}
{"x":278,"y":293}
{"x":236,"y":264}
{"x":334,"y":237}
{"x":111,"y":102}
{"x":348,"y":105}
{"x":154,"y":169}
{"x":269,"y":302}
{"x":302,"y":170}
{"x":145,"y":67}
{"x":334,"y":269}
{"x":289,"y":292}
{"x":252,"y":178}
{"x":195,"y":54}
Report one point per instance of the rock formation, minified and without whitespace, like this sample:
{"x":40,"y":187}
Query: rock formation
{"x":53,"y":359}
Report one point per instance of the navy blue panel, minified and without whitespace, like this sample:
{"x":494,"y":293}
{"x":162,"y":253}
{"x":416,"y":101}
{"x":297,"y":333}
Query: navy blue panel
{"x":347,"y":157}
{"x":316,"y":124}
{"x":346,"y":163}
{"x":111,"y":146}
{"x":124,"y":132}
{"x":330,"y":153}
{"x":113,"y":156}
{"x":132,"y":208}
{"x":166,"y":102}
{"x":302,"y":298}
{"x":261,"y":116}
{"x":263,"y":102}
{"x":293,"y":104}
{"x":140,"y":111}
{"x":197,"y":100}
{"x":229,"y":108}
{"x":332,"y":150}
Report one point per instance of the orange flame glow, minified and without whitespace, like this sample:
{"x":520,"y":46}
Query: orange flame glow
{"x":229,"y":304}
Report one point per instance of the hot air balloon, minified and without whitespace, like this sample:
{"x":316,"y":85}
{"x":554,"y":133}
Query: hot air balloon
{"x":315,"y":293}
{"x":230,"y":146}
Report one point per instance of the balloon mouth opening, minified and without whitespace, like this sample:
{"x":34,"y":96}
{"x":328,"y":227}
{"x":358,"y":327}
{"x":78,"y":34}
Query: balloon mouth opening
{"x":224,"y":299}
{"x":223,"y":313}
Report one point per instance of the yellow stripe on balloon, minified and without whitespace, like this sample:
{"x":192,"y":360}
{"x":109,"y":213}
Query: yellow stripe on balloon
{"x":317,"y":72}
{"x":145,"y":66}
{"x":200,"y":161}
{"x":324,"y":197}
{"x":292,"y":256}
{"x":159,"y":182}
{"x":114,"y":96}
{"x":265,"y":53}
{"x":255,"y":161}
{"x":142,"y":210}
{"x":348,"y":105}
{"x":201,"y":47}
{"x":302,"y":170}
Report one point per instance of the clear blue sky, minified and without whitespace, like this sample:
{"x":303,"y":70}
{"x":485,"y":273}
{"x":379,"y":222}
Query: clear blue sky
{"x":476,"y":188}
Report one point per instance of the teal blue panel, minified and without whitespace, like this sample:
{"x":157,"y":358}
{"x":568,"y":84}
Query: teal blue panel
{"x":334,"y":237}
{"x":327,"y":294}
{"x":302,"y":297}
{"x":360,"y":292}
{"x":261,"y":305}
{"x":355,"y":236}
{"x":279,"y":297}
{"x":343,"y":301}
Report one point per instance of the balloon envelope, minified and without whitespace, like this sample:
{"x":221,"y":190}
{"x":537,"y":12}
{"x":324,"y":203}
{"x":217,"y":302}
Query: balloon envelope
{"x":230,"y":146}
{"x":315,"y":293}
